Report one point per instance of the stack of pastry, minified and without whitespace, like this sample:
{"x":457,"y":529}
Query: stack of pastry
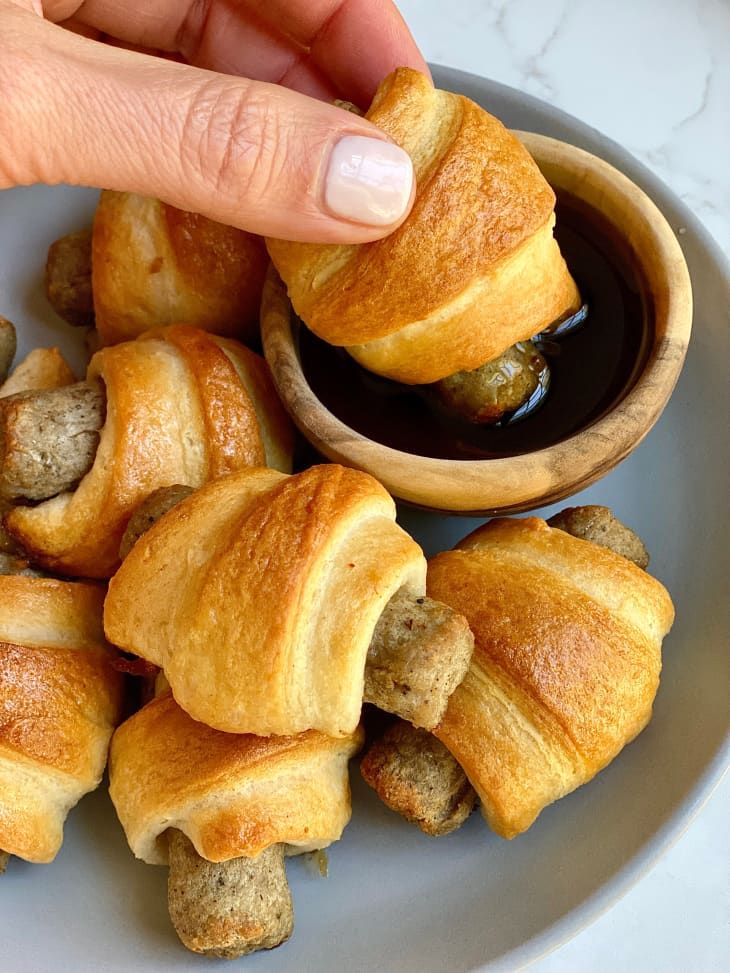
{"x":266,"y":607}
{"x":76,"y":459}
{"x":60,"y":694}
{"x":60,"y":698}
{"x":297,"y":597}
{"x":205,"y":780}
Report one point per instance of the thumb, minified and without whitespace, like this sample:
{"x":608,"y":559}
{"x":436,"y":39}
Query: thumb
{"x":242,"y":152}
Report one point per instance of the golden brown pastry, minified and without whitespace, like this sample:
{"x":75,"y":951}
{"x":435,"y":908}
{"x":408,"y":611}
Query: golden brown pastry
{"x":406,"y":767}
{"x":472,"y":270}
{"x":223,"y":809}
{"x":181,"y":406}
{"x":60,"y":698}
{"x":153,"y":265}
{"x":565,"y":668}
{"x":265,"y":597}
{"x":42,"y":368}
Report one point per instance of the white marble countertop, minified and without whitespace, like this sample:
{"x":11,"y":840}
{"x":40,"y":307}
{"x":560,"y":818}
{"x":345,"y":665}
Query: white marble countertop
{"x":655,"y":76}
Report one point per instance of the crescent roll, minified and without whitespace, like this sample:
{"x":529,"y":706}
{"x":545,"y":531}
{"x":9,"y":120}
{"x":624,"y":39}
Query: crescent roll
{"x":181,"y":406}
{"x":565,"y":668}
{"x":223,"y":809}
{"x":472,"y":270}
{"x":60,"y":698}
{"x":153,"y":265}
{"x":260,"y":596}
{"x":231,"y":794}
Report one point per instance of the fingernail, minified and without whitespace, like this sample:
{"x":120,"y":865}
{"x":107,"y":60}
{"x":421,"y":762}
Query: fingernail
{"x":368,"y":181}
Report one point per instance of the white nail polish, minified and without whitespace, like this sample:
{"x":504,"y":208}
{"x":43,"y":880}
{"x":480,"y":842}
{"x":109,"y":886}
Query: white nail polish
{"x":368,"y":181}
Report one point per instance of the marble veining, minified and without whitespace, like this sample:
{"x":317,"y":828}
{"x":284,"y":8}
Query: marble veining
{"x":652,"y":74}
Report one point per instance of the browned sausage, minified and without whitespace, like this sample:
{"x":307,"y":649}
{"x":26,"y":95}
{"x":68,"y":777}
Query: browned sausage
{"x":228,"y":909}
{"x":150,"y":511}
{"x":419,"y":653}
{"x":48,"y":439}
{"x":414,"y":774}
{"x":68,"y":278}
{"x":599,"y":526}
{"x":486,"y":394}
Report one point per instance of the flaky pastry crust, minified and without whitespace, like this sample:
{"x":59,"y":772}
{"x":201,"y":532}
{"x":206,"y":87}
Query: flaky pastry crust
{"x":233,"y":795}
{"x":259,"y":595}
{"x":60,"y":698}
{"x":153,"y":265}
{"x":472,"y":270}
{"x":182,"y":406}
{"x":565,"y":667}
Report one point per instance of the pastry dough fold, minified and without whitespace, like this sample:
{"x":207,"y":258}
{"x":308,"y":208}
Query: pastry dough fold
{"x":565,"y":668}
{"x":259,"y":595}
{"x":233,"y":795}
{"x":471,"y":271}
{"x":182,"y":406}
{"x":60,"y":698}
{"x":154,"y":265}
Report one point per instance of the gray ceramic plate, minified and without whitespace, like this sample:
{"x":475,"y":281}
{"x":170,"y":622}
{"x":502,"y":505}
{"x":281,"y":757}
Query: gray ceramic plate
{"x":396,"y":900}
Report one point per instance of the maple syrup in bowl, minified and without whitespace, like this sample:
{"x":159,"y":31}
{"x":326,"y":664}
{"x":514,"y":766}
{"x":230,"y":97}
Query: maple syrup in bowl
{"x":610,"y":370}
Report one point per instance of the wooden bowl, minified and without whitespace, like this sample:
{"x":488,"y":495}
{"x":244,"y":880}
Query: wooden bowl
{"x":515,"y":483}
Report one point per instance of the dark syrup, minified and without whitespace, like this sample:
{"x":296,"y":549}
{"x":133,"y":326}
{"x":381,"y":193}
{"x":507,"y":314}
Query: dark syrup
{"x":591,"y":368}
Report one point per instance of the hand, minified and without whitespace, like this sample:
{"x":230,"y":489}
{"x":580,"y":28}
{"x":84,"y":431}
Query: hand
{"x":187,"y":128}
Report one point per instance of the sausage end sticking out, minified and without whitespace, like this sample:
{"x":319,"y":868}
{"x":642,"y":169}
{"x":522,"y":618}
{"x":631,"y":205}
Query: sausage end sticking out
{"x":228,"y":909}
{"x":419,"y":653}
{"x":598,"y":525}
{"x":8,"y":346}
{"x":4,"y":859}
{"x":68,"y":278}
{"x":499,"y":387}
{"x":48,"y":440}
{"x":150,"y":511}
{"x":414,"y":774}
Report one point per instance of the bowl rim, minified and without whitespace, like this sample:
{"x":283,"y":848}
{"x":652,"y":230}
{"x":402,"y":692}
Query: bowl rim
{"x":532,"y":479}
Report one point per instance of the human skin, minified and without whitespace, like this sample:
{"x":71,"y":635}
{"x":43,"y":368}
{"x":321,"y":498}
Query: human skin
{"x":221,"y":107}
